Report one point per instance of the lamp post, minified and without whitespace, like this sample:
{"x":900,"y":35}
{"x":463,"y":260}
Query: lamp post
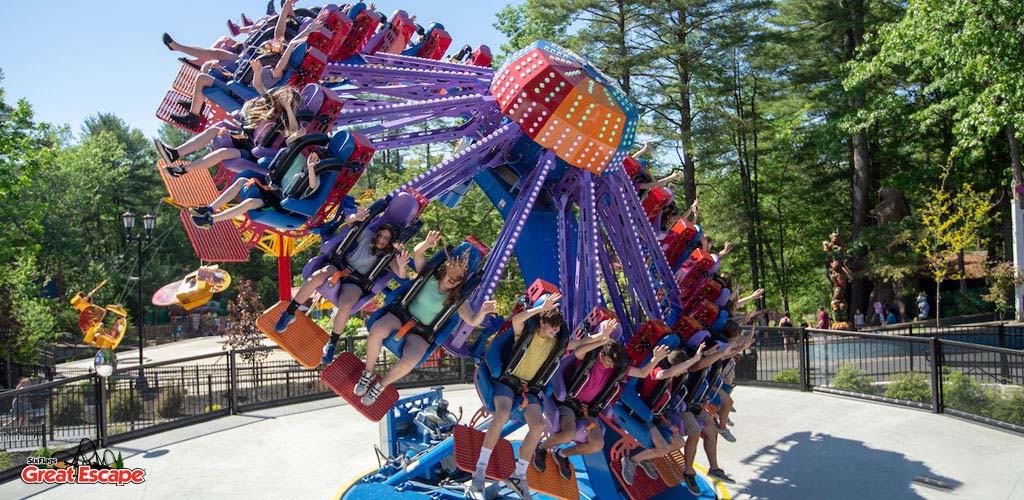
{"x":148,"y":221}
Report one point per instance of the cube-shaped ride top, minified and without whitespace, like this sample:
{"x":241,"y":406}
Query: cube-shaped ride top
{"x":566,"y":105}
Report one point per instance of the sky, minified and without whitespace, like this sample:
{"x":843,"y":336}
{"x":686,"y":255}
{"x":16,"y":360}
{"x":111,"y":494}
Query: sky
{"x":73,"y":58}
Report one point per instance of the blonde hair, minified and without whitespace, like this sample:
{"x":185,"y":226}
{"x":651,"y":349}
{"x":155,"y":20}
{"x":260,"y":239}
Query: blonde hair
{"x":269,"y":107}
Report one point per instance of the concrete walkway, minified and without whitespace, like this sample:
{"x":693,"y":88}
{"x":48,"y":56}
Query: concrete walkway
{"x":791,"y":445}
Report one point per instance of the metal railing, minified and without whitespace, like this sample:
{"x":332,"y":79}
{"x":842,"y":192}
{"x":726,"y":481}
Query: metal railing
{"x":977,"y":382}
{"x":155,"y":397}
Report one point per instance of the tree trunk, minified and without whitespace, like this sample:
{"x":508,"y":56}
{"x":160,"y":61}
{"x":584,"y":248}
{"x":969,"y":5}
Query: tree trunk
{"x":853,"y":38}
{"x":938,"y":301}
{"x":682,"y":64}
{"x":1017,"y":212}
{"x":620,"y":25}
{"x":961,"y":262}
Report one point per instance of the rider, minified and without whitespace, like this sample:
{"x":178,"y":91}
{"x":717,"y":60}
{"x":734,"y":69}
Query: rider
{"x":581,"y":406}
{"x":442,"y":289}
{"x":368,"y":252}
{"x":547,"y":331}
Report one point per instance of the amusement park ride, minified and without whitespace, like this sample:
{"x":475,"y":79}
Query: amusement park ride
{"x":546,"y":137}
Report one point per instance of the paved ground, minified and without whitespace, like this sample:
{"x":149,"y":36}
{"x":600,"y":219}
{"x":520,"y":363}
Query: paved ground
{"x":791,"y":445}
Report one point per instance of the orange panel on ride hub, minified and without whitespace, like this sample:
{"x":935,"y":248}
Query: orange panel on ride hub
{"x":564,"y":104}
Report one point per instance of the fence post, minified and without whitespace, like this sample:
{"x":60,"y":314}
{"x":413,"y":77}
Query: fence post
{"x":936,"y":353}
{"x":805,"y":365}
{"x":49,"y":402}
{"x":101,"y":409}
{"x":350,"y":344}
{"x":209,"y":390}
{"x":1004,"y":365}
{"x":233,"y":381}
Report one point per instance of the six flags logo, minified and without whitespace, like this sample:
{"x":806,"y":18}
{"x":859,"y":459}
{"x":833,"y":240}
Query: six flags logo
{"x":84,"y":466}
{"x":82,"y":474}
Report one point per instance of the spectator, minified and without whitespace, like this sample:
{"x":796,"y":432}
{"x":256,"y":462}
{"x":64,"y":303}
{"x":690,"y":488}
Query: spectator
{"x":891,"y":318}
{"x":20,"y":405}
{"x":922,"y":306}
{"x":858,"y":320}
{"x":823,"y":320}
{"x":880,"y":312}
{"x":786,"y":322}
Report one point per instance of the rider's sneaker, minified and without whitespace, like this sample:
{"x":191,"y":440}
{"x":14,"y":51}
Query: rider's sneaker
{"x":540,"y":460}
{"x":169,"y":154}
{"x":203,"y":221}
{"x":519,"y":486}
{"x":328,"y":356}
{"x":188,"y":120}
{"x":564,"y":466}
{"x":720,"y":475}
{"x":479,"y":476}
{"x":372,"y":394}
{"x":286,"y":319}
{"x":727,"y":434}
{"x":691,"y":483}
{"x":364,"y":383}
{"x":648,"y":467}
{"x":628,"y":470}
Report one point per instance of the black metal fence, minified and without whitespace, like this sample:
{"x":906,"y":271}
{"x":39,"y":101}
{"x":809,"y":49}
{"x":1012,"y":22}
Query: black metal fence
{"x":977,"y":382}
{"x":138,"y":401}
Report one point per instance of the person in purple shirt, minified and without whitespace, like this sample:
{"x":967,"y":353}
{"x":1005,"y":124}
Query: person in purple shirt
{"x":578,"y":412}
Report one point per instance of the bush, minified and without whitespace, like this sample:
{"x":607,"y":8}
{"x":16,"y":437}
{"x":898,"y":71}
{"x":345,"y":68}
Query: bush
{"x":851,"y":379}
{"x":6,"y":461}
{"x":788,"y":376}
{"x":910,"y":387}
{"x":1010,"y":407}
{"x":215,"y":407}
{"x":961,"y":392}
{"x":125,"y":406}
{"x":172,"y":403}
{"x":68,"y":409}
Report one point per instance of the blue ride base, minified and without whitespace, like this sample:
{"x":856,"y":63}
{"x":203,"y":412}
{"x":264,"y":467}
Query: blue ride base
{"x":420,"y":464}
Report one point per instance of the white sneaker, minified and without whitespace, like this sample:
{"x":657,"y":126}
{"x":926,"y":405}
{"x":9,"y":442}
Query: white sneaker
{"x":364,"y":383}
{"x":727,"y":435}
{"x":479,"y":476}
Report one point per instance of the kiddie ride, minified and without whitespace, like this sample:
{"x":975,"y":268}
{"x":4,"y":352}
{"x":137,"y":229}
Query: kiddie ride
{"x":545,"y":138}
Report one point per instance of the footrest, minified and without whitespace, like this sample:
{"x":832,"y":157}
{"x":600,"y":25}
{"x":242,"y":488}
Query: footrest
{"x":220,"y":243}
{"x":550,"y":482}
{"x":343,"y":374}
{"x":643,"y":487}
{"x":192,"y":189}
{"x":468,"y":442}
{"x":169,"y":106}
{"x":304,"y":339}
{"x":185,"y":82}
{"x":670,"y":468}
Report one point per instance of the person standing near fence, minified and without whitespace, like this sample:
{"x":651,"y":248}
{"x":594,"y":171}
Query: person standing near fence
{"x":858,"y":320}
{"x":786,"y":322}
{"x":823,"y":320}
{"x":20,"y":405}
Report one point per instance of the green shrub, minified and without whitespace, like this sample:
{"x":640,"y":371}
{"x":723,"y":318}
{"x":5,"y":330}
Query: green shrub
{"x":125,"y":406}
{"x":910,"y":387}
{"x":851,"y":379}
{"x":68,"y":409}
{"x":788,"y":376}
{"x":961,"y":392}
{"x":172,"y":403}
{"x":6,"y":461}
{"x":215,"y":407}
{"x":1010,"y":407}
